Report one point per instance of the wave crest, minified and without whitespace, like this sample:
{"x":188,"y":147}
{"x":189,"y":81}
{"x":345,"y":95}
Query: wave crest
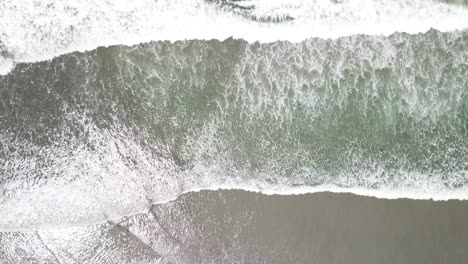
{"x":97,"y":135}
{"x":33,"y":31}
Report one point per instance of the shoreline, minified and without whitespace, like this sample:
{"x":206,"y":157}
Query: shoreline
{"x":233,"y":226}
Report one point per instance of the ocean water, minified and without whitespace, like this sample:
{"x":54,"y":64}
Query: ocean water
{"x":107,"y":107}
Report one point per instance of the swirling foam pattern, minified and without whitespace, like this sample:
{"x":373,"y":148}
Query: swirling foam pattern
{"x":32,"y":30}
{"x":90,"y":136}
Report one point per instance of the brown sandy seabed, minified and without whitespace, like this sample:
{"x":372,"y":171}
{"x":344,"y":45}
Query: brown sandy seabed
{"x":244,"y":227}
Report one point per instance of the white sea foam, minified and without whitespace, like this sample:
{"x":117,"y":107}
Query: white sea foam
{"x":6,"y":65}
{"x":90,"y":186}
{"x":39,"y":30}
{"x":79,"y":203}
{"x":86,"y":187}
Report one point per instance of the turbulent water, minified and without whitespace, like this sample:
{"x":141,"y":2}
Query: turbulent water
{"x":34,"y":30}
{"x":88,"y":136}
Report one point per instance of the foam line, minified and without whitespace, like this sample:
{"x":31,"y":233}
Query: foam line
{"x":33,"y":31}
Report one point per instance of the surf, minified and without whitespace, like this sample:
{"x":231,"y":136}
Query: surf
{"x":92,"y":136}
{"x":32,"y":31}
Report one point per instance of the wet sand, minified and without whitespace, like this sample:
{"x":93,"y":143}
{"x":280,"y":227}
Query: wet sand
{"x":244,"y":227}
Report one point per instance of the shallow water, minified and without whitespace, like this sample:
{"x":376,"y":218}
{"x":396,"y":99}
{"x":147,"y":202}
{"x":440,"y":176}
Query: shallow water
{"x":108,"y":108}
{"x":122,"y":127}
{"x":242,"y":227}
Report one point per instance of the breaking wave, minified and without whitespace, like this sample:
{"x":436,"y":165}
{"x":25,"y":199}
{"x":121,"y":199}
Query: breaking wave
{"x":33,"y":31}
{"x":92,"y":136}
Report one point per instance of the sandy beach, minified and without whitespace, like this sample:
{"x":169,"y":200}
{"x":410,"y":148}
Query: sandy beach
{"x":140,"y":131}
{"x":244,"y":227}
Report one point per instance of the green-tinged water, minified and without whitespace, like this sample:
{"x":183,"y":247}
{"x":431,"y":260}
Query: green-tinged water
{"x":361,"y":111}
{"x":228,"y":131}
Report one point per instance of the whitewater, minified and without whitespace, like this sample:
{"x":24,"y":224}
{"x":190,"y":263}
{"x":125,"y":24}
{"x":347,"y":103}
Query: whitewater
{"x":40,"y":30}
{"x":108,"y":107}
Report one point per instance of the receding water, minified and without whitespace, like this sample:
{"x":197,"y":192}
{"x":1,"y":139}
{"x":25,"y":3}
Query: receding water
{"x":105,"y":133}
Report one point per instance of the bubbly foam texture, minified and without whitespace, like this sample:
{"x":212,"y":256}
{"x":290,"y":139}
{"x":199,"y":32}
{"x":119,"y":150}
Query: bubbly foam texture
{"x":83,"y":186}
{"x":93,"y":136}
{"x":39,"y":30}
{"x":96,"y":186}
{"x":119,"y":178}
{"x":6,"y":65}
{"x":89,"y":201}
